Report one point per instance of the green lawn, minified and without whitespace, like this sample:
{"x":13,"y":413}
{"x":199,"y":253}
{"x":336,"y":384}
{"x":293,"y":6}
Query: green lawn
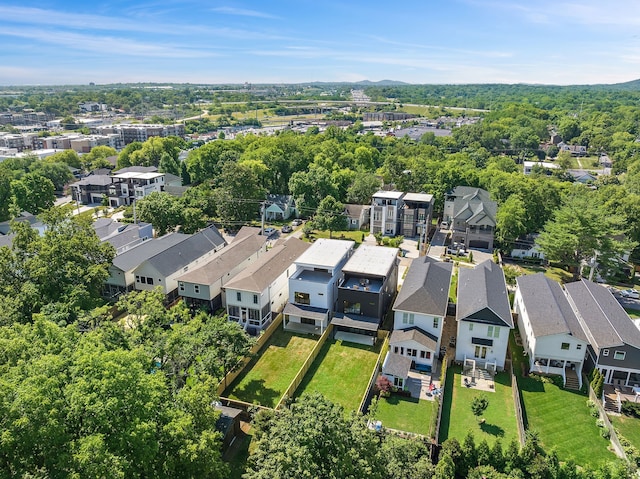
{"x":633,"y":313}
{"x":268,"y":375}
{"x":354,"y":235}
{"x":562,"y":419}
{"x":629,"y":427}
{"x":341,"y":372}
{"x":557,"y":274}
{"x":407,"y":414}
{"x":457,"y":418}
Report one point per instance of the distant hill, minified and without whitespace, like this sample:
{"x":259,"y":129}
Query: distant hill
{"x":630,"y":85}
{"x":381,"y":83}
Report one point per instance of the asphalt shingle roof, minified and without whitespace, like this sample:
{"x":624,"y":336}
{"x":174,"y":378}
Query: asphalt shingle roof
{"x":131,"y":259}
{"x":425,"y":288}
{"x":414,"y":334}
{"x":482,"y":295}
{"x":396,"y":365}
{"x":606,"y":323}
{"x":547,"y":307}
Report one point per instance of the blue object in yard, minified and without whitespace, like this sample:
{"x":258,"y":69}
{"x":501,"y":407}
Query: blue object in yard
{"x":423,"y":368}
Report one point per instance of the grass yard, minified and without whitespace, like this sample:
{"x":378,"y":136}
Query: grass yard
{"x":354,"y":235}
{"x":268,"y":375}
{"x":562,"y":419}
{"x":341,"y":372}
{"x":457,"y":418}
{"x":633,"y":313}
{"x":407,"y":414}
{"x":629,"y":427}
{"x":552,"y":272}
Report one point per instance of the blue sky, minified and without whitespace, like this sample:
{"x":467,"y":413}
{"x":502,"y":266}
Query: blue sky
{"x":427,"y":41}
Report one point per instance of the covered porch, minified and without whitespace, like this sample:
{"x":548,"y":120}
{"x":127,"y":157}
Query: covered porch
{"x":305,"y":319}
{"x":621,"y":376}
{"x":355,"y":328}
{"x":542,"y":365}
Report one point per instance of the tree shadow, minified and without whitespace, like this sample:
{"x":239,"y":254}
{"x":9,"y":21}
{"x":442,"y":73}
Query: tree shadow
{"x":256,"y":392}
{"x":492,"y":429}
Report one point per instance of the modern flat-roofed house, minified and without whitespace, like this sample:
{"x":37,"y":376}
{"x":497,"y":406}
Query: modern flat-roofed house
{"x":552,"y":337}
{"x":386,"y":213}
{"x":313,"y":288}
{"x":164,"y":268}
{"x":365,"y":291}
{"x":483,"y":315}
{"x":472,"y":217}
{"x":203,"y":286}
{"x":417,"y":210}
{"x":258,"y":292}
{"x":419,"y":312}
{"x":614,"y":340}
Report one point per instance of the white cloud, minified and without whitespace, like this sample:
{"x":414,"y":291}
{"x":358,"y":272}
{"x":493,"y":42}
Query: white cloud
{"x":243,"y":12}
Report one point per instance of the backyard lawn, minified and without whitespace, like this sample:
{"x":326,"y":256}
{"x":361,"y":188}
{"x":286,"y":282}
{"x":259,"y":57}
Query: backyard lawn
{"x":629,"y":427}
{"x":457,"y":418}
{"x":407,"y":414}
{"x":341,"y":372}
{"x":562,"y":419}
{"x":268,"y":375}
{"x":353,"y":235}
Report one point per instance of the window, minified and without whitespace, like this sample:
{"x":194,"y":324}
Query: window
{"x":493,"y":332}
{"x":149,"y":280}
{"x":412,"y":352}
{"x":436,"y":323}
{"x":605,"y":352}
{"x":565,"y":346}
{"x":390,"y":213}
{"x":398,"y":382}
{"x":422,"y":353}
{"x":196,"y":288}
{"x":181,"y":284}
{"x":137,"y":279}
{"x":255,"y":299}
{"x":408,"y":318}
{"x":353,"y":308}
{"x":308,"y":321}
{"x":578,"y":346}
{"x":238,"y":296}
{"x":470,"y":326}
{"x":619,"y":355}
{"x":395,"y":349}
{"x":301,"y":298}
{"x":234,"y":311}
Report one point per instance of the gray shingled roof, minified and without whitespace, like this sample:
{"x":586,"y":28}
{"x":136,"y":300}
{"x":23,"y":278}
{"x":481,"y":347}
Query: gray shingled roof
{"x":547,"y":307}
{"x":269,"y":266}
{"x":96,"y":180}
{"x":180,"y":255}
{"x":482,"y":295}
{"x":134,"y":257}
{"x":224,"y":260}
{"x":396,"y":365}
{"x":604,"y":320}
{"x":474,"y":200}
{"x":425,"y":288}
{"x":414,"y":334}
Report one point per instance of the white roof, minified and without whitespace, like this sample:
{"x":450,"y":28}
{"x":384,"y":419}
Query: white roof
{"x":421,"y":197}
{"x":326,"y":253}
{"x":544,"y":164}
{"x":371,"y":259}
{"x":137,"y":175}
{"x":392,"y":195}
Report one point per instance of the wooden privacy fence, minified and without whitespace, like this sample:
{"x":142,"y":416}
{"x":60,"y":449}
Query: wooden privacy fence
{"x":615,"y":442}
{"x":305,"y":367}
{"x":260,"y":342}
{"x":443,"y":390}
{"x":368,"y":394}
{"x":517,"y":401}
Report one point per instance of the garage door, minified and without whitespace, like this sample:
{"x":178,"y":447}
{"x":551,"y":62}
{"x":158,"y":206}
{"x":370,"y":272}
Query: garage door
{"x":479,"y":244}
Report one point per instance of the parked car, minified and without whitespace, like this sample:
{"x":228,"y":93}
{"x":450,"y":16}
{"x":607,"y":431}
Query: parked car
{"x":268,"y":231}
{"x":287,"y":229}
{"x":630,"y":293}
{"x":296,"y":222}
{"x":444,"y":225}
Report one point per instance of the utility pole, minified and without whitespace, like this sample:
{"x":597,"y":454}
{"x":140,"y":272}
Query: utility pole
{"x":264,"y":205}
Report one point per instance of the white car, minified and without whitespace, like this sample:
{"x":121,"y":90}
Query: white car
{"x":630,"y":293}
{"x":296,"y":222}
{"x":268,"y":231}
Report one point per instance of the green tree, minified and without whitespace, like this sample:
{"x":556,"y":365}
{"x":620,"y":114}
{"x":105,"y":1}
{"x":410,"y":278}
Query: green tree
{"x":510,"y":220}
{"x":330,"y":216}
{"x":125,"y":157}
{"x":96,"y":158}
{"x":406,"y":459}
{"x":160,"y":209}
{"x":6,"y":195}
{"x":33,"y":193}
{"x":479,"y":405}
{"x":363,"y":187}
{"x":310,"y":187}
{"x":302,"y":436}
{"x":238,"y":194}
{"x":58,"y":173}
{"x":69,"y":157}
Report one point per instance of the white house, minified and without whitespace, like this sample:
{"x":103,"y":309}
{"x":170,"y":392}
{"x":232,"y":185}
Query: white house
{"x":483,"y":315}
{"x":313,"y":288}
{"x":260,"y":290}
{"x":386,"y":207}
{"x":419,"y":311}
{"x":279,"y":207}
{"x":202,"y":286}
{"x":552,"y":337}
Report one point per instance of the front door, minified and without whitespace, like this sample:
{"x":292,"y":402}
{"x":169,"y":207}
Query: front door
{"x":481,"y":352}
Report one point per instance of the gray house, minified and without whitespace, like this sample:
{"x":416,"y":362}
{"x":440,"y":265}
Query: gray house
{"x":365,"y":292}
{"x":614,"y":340}
{"x":472,"y":217}
{"x":122,"y":236}
{"x":357,"y":216}
{"x":279,"y":207}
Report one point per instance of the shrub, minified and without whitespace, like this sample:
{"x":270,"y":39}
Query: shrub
{"x":605,"y":433}
{"x":594,"y":412}
{"x":631,"y":409}
{"x":600,"y":422}
{"x":590,"y":404}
